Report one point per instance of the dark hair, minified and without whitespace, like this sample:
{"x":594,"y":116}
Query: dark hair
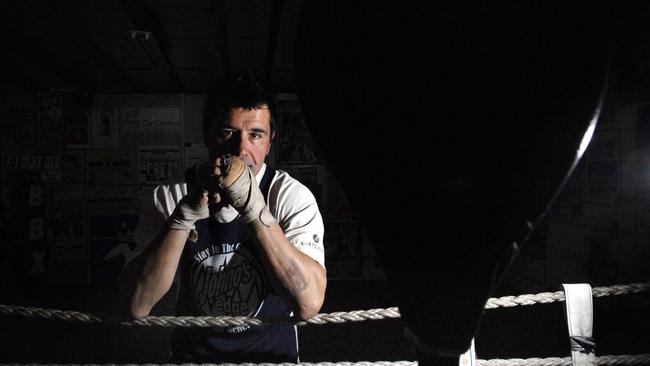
{"x":243,"y":91}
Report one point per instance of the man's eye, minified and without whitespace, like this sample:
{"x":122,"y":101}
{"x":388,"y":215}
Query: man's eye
{"x":225,"y":134}
{"x":256,"y":135}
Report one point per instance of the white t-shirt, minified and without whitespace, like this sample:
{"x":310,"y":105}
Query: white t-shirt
{"x":291,"y":203}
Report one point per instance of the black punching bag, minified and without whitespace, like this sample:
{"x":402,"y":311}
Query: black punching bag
{"x":451,"y":127}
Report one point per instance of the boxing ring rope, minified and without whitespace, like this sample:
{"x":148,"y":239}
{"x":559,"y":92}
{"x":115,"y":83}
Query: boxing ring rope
{"x":336,"y":317}
{"x":341,"y":317}
{"x":642,"y":359}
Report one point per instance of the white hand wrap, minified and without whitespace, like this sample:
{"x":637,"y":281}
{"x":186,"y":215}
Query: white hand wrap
{"x":245,"y":196}
{"x":186,"y":214}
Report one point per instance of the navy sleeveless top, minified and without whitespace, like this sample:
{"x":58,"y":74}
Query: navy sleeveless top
{"x":224,"y":273}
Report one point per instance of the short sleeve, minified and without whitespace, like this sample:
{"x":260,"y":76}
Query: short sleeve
{"x":296,"y":210}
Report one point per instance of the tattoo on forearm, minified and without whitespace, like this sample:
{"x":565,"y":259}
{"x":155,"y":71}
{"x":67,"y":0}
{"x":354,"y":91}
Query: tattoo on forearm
{"x":297,"y":281}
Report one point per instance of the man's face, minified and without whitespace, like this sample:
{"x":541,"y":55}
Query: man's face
{"x":245,"y":134}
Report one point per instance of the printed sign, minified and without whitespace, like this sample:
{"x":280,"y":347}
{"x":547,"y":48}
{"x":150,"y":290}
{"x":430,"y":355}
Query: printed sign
{"x":151,"y":119}
{"x":111,"y":178}
{"x":45,"y":193}
{"x":156,"y":165}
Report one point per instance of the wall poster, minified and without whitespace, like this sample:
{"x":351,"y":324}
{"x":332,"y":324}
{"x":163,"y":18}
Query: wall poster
{"x":43,"y":203}
{"x":156,"y":165}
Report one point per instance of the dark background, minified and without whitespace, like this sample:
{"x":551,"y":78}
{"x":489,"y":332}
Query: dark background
{"x":77,"y":58}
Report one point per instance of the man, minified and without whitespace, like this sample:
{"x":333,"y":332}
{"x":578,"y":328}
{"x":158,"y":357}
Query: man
{"x":239,"y":236}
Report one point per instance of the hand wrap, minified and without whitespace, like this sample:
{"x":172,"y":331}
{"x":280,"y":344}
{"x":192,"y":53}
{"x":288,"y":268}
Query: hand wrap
{"x":187,"y":213}
{"x":243,"y":193}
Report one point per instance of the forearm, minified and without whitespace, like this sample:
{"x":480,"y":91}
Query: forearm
{"x":303,"y":277}
{"x":158,"y":273}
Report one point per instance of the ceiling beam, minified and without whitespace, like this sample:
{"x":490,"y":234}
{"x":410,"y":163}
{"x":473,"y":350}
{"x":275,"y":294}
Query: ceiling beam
{"x":221,"y":34}
{"x":274,"y":32}
{"x":158,"y":43}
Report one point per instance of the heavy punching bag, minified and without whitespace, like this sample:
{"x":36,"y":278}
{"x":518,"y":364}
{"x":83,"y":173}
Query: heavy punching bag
{"x":451,"y":127}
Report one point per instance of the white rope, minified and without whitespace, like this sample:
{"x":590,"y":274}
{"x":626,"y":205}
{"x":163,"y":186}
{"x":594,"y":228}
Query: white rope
{"x":359,"y":363}
{"x":549,"y":361}
{"x":31,"y":312}
{"x":549,"y":297}
{"x":640,"y":359}
{"x":337,"y":317}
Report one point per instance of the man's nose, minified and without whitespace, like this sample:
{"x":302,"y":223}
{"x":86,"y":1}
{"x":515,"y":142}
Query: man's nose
{"x":241,"y":145}
{"x":235,"y":145}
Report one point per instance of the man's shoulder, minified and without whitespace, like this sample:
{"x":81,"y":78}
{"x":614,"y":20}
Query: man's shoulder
{"x":286,"y":182}
{"x":171,"y":184}
{"x":171,"y":190}
{"x":287,"y":190}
